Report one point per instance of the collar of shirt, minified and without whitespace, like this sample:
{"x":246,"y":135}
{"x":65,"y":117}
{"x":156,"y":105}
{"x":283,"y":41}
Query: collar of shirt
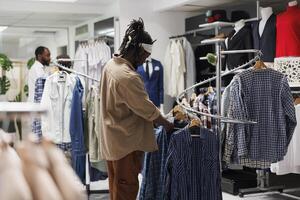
{"x":38,"y":63}
{"x":150,"y":68}
{"x":121,"y":60}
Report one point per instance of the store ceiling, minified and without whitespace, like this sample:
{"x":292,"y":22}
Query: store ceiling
{"x":19,"y":13}
{"x":50,"y":14}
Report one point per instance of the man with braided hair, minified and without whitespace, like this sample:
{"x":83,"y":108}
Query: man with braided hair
{"x":126,"y":114}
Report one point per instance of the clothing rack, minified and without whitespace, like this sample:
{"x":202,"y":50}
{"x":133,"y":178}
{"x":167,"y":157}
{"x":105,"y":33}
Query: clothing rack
{"x":89,"y":191}
{"x":218,"y":116}
{"x":192,"y":32}
{"x":73,"y":71}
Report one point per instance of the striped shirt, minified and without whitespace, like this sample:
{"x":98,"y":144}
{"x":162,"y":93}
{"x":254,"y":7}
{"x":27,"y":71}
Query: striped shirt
{"x":152,"y":186}
{"x":193,"y":170}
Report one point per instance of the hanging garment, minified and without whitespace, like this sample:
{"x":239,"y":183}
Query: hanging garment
{"x":263,"y":96}
{"x":180,"y":69}
{"x":36,"y":71}
{"x":92,"y":130}
{"x":291,"y":161}
{"x":190,"y":78}
{"x":168,"y":69}
{"x":77,"y":131}
{"x":36,"y":168}
{"x":288,"y":32}
{"x":127,"y":113}
{"x":239,"y":41}
{"x":98,"y":54}
{"x":175,"y":68}
{"x":267,"y":41}
{"x":63,"y":175}
{"x":193,"y":170}
{"x":154,"y":82}
{"x":57,"y":97}
{"x":154,"y":172}
{"x":12,"y":180}
{"x":38,"y":93}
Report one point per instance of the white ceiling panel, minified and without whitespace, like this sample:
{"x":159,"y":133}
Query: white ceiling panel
{"x":38,"y":13}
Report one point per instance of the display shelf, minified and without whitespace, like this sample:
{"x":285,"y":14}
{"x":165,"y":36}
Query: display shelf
{"x":213,"y":41}
{"x":21,"y":107}
{"x":216,"y":25}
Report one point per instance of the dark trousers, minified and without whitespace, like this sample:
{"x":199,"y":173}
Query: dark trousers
{"x":123,"y":176}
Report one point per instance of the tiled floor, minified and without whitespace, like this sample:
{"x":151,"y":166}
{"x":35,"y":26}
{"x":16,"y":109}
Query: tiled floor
{"x":267,"y":196}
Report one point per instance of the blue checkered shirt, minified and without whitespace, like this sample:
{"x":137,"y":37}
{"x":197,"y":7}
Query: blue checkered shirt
{"x":193,"y":168}
{"x":263,"y":96}
{"x":38,"y":93}
{"x":152,"y":186}
{"x":65,"y":146}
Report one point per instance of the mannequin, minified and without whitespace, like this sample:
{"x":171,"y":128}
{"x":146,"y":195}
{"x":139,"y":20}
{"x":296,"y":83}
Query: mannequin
{"x":153,"y":80}
{"x":239,"y":25}
{"x":265,"y":15}
{"x":293,"y":3}
{"x":241,"y":39}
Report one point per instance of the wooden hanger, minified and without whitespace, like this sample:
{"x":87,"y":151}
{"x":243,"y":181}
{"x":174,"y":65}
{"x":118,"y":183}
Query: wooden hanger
{"x":210,"y":90}
{"x":195,"y":123}
{"x":297,"y":101}
{"x":259,"y":65}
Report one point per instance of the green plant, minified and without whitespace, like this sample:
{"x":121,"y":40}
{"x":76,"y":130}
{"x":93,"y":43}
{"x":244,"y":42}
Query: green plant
{"x":30,"y":62}
{"x":5,"y":63}
{"x":18,"y":98}
{"x":4,"y":85}
{"x":26,"y":90}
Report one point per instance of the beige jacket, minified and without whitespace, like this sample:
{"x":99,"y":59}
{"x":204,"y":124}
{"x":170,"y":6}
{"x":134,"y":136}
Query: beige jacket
{"x":126,"y":113}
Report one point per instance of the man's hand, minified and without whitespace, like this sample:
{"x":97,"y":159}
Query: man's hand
{"x":165,"y":123}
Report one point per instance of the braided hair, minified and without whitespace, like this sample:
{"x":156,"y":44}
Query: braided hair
{"x":134,"y":36}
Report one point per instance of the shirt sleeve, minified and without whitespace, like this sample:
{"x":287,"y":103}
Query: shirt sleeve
{"x":31,"y":85}
{"x":46,"y":119}
{"x":134,"y":95}
{"x":289,"y":110}
{"x":161,"y":85}
{"x":236,"y":133}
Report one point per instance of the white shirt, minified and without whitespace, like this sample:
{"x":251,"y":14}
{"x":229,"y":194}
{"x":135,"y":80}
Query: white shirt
{"x":291,"y":161}
{"x":98,"y":55}
{"x":57,"y":97}
{"x":174,"y":68}
{"x":36,"y":71}
{"x":150,"y":67}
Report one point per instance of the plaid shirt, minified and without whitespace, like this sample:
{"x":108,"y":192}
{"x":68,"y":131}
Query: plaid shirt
{"x":65,"y":146}
{"x":38,"y":93}
{"x":152,"y":186}
{"x":193,"y":170}
{"x":207,"y":105}
{"x":263,"y":96}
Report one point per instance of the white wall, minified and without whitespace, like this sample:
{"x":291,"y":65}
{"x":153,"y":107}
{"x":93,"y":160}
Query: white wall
{"x":160,"y":25}
{"x":112,"y":10}
{"x":61,"y":38}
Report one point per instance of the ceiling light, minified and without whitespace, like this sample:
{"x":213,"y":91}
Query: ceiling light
{"x":2,"y":28}
{"x":63,"y":1}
